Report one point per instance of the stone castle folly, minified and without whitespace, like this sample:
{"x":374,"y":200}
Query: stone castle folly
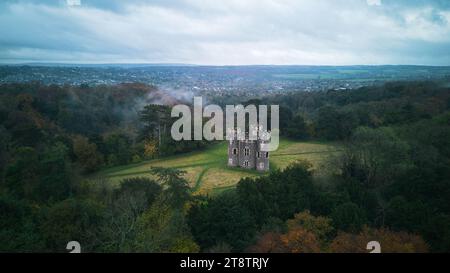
{"x":247,"y":154}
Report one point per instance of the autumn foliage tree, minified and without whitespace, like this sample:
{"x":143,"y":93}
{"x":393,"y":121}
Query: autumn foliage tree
{"x":150,"y":148}
{"x":300,"y":240}
{"x":313,"y":234}
{"x":320,"y":226}
{"x":269,"y":242}
{"x":390,"y":241}
{"x":306,"y":234}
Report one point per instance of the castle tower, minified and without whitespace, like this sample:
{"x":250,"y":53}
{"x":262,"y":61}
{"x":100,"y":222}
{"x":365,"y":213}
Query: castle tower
{"x":233,"y":153}
{"x":262,"y":158}
{"x":247,"y":153}
{"x":233,"y":149}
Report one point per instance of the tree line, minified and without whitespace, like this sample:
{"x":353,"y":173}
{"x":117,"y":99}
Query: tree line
{"x":389,"y":183}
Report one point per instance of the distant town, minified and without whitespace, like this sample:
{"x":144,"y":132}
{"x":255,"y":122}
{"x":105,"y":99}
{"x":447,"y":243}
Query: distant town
{"x":223,"y":80}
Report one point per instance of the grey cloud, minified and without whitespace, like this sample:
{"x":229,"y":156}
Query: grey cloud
{"x":227,"y":32}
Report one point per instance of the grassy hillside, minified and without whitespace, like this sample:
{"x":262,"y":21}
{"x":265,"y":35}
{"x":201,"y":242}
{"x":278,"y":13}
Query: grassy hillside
{"x":207,"y":171}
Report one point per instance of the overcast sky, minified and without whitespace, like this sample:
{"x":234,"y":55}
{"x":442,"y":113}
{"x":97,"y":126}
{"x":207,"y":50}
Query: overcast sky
{"x":233,"y":32}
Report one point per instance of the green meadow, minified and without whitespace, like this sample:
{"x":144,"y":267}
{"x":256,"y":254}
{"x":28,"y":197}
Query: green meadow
{"x":207,"y":170}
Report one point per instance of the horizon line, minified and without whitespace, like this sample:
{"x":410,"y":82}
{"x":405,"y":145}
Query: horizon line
{"x":37,"y":63}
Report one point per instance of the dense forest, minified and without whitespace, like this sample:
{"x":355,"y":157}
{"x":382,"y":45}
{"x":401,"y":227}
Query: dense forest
{"x":390,"y":183}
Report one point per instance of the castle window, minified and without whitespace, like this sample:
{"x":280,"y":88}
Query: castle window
{"x":234,"y":151}
{"x":246,"y":151}
{"x":259,"y":154}
{"x":246,"y":163}
{"x":267,"y":154}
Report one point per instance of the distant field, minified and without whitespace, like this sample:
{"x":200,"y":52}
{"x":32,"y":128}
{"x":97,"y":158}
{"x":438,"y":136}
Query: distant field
{"x":324,"y":75}
{"x":297,"y":76}
{"x":207,"y":171}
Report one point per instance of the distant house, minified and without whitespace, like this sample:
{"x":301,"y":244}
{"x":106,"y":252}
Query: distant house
{"x":247,"y":154}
